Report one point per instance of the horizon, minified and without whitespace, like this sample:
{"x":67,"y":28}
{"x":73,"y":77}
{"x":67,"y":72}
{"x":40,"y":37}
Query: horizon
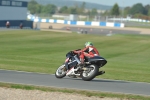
{"x":122,"y":3}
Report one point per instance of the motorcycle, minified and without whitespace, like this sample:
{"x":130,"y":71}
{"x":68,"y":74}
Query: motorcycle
{"x":87,"y":72}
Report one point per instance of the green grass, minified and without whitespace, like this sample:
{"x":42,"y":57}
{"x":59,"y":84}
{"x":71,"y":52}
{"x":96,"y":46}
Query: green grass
{"x":73,"y":91}
{"x":36,"y":51}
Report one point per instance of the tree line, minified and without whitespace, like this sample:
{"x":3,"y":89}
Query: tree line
{"x":136,"y":11}
{"x":36,"y":8}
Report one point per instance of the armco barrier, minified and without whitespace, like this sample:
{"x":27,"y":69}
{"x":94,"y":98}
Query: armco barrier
{"x":84,"y":23}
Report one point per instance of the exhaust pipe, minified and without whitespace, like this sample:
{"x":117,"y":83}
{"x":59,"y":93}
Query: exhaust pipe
{"x":100,"y":73}
{"x":85,"y":69}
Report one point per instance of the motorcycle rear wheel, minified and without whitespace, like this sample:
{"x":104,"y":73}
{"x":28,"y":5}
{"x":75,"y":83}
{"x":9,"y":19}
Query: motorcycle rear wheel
{"x":91,"y":73}
{"x":60,"y":72}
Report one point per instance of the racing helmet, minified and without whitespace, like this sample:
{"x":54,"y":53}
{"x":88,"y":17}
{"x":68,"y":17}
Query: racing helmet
{"x":88,"y":44}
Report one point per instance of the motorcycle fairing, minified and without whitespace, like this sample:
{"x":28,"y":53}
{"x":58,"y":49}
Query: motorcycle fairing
{"x":100,"y":61}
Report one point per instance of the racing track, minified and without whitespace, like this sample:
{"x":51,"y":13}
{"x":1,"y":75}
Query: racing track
{"x":48,"y":80}
{"x":94,"y":85}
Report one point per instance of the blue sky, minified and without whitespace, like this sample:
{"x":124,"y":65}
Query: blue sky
{"x":122,"y":3}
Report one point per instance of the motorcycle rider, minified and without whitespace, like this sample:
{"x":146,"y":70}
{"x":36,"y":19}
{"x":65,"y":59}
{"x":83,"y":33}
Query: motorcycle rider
{"x":89,"y":51}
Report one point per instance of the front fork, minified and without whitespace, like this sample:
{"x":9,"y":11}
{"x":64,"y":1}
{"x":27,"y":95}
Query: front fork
{"x":67,"y":60}
{"x":76,"y":58}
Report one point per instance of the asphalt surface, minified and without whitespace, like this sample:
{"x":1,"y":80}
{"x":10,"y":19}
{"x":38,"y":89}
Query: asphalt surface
{"x":76,"y":83}
{"x":94,"y":85}
{"x":87,"y":30}
{"x":101,"y":31}
{"x":5,"y":29}
{"x":13,"y":29}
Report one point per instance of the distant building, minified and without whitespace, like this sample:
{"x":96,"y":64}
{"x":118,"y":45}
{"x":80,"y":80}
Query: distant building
{"x":68,"y":16}
{"x":99,"y":11}
{"x":13,"y":10}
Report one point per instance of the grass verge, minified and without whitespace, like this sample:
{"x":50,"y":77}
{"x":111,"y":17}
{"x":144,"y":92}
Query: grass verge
{"x":39,"y":51}
{"x":82,"y":92}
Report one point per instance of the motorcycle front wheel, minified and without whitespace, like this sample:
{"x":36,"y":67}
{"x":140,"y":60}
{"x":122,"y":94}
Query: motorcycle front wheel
{"x":60,"y":72}
{"x":90,"y":73}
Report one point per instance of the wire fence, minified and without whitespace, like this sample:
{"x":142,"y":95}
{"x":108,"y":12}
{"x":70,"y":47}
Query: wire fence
{"x":129,"y":22}
{"x":97,"y":18}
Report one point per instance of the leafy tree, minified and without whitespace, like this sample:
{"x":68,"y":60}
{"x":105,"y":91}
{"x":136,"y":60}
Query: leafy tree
{"x":115,"y":10}
{"x":33,"y":7}
{"x":126,"y":11}
{"x":88,"y":12}
{"x":148,"y":12}
{"x":137,"y":8}
{"x":49,"y":9}
{"x":78,"y":9}
{"x":72,"y":10}
{"x":146,"y":9}
{"x":83,"y":7}
{"x":39,"y":8}
{"x":63,"y":9}
{"x":94,"y":11}
{"x":106,"y":13}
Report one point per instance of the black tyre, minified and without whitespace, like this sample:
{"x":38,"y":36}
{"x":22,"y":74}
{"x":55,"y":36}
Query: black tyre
{"x":91,"y":73}
{"x":60,"y":72}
